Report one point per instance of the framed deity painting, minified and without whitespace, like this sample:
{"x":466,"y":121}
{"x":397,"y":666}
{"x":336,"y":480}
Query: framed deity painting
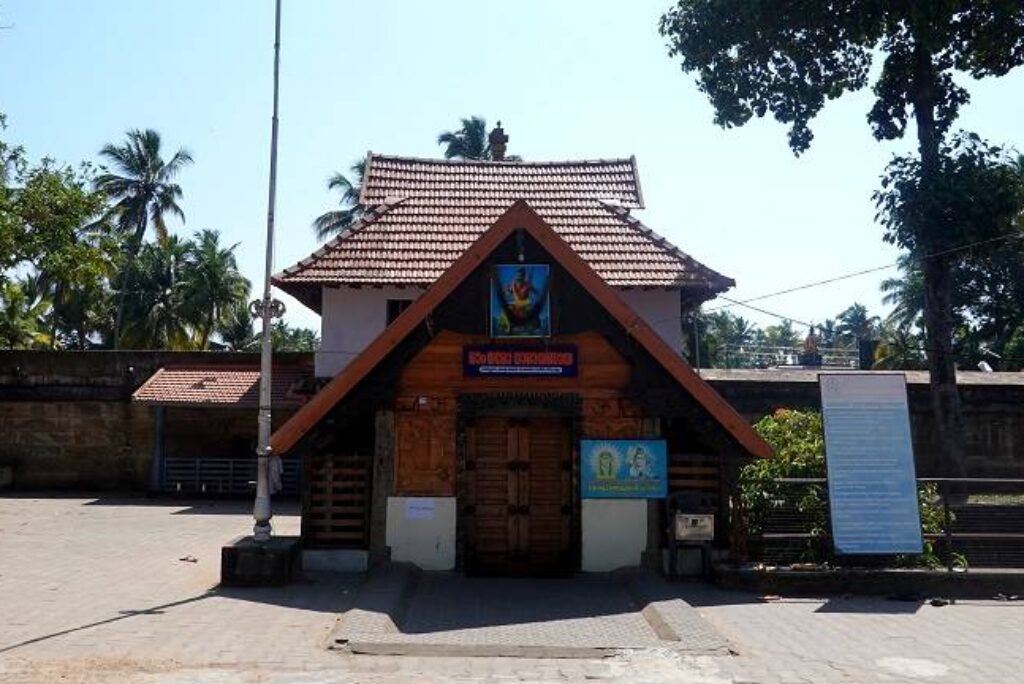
{"x":520,"y":301}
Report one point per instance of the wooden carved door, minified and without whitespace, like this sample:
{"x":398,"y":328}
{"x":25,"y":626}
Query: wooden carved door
{"x":517,"y":512}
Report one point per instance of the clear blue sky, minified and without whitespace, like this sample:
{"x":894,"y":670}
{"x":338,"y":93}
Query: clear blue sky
{"x":569,"y":79}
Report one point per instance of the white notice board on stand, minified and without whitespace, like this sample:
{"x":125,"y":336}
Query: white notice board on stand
{"x":872,"y":483}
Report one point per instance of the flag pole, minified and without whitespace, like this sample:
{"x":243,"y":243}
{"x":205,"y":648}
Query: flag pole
{"x":268,"y":308}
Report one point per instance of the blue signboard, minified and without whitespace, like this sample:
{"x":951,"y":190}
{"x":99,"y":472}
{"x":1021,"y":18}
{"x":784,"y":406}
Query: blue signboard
{"x":872,"y":485}
{"x":489,"y":360}
{"x":623,"y":468}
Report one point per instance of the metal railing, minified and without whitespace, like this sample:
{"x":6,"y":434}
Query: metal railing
{"x":966,"y":522}
{"x":224,"y":476}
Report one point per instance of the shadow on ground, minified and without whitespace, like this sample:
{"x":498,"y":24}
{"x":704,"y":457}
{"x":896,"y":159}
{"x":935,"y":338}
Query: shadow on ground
{"x":320,"y":592}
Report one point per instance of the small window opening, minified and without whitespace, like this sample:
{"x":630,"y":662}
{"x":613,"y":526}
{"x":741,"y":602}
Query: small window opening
{"x":396,"y":307}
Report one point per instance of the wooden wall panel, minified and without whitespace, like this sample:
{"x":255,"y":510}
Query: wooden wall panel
{"x":437,"y":370}
{"x":430,"y":383}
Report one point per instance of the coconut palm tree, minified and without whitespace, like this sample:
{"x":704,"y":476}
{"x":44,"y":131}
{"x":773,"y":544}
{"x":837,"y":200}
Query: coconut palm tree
{"x":470,"y":141}
{"x":212,"y":283}
{"x":827,"y":332}
{"x":23,"y":310}
{"x":156,"y":316}
{"x":905,"y":292}
{"x":467,"y":142}
{"x":900,"y":348}
{"x":143,"y":192}
{"x":237,"y":331}
{"x":855,"y":324}
{"x":333,"y":222}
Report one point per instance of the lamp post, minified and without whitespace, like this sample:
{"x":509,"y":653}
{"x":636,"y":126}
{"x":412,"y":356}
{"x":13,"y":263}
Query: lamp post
{"x":267,"y":309}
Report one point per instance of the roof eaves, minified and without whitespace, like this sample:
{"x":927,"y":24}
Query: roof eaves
{"x":370,"y":216}
{"x":717,"y":279}
{"x":145,"y":386}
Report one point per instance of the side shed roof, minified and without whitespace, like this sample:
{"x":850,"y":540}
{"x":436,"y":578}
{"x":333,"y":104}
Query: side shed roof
{"x":220,"y":386}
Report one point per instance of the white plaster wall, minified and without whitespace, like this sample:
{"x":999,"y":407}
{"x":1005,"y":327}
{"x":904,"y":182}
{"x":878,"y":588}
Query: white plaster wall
{"x":428,"y":542}
{"x":660,"y":309}
{"x":350,"y":319}
{"x":614,"y":533}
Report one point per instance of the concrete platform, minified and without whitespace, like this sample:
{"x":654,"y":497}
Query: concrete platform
{"x":403,"y":611}
{"x":244,"y":562}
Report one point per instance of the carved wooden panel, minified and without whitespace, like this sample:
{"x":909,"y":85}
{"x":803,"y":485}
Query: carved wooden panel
{"x":425,"y":454}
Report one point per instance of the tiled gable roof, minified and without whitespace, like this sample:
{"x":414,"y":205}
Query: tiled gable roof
{"x":519,"y":216}
{"x":228,"y":386}
{"x":422,"y":214}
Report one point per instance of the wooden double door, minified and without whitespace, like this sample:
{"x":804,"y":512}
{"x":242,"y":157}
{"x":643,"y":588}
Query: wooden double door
{"x":517,"y":505}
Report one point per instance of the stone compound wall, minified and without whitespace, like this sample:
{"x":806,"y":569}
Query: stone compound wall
{"x":67,"y":420}
{"x":993,"y":409}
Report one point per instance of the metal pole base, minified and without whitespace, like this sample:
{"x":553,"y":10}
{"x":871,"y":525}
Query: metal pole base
{"x":261,"y":532}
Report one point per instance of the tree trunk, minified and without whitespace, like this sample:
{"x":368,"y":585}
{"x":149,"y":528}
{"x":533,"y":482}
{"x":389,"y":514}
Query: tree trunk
{"x":120,"y":305}
{"x":938,"y":308}
{"x":205,"y":337}
{"x":938,"y":315}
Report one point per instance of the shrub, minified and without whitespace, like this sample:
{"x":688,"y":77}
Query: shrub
{"x":798,"y":440}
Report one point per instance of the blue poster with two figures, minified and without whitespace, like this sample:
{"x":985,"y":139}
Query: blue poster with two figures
{"x":623,"y":468}
{"x":520,"y":305}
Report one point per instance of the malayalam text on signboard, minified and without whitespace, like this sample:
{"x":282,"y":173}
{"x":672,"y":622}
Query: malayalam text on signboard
{"x":623,"y":468}
{"x":871,"y":480}
{"x":557,"y":360}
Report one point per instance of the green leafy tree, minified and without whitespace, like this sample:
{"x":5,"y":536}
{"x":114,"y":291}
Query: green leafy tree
{"x":284,"y":338}
{"x":212,"y":284}
{"x":143,"y":190}
{"x":49,"y":233}
{"x":789,"y":59}
{"x":332,"y":222}
{"x":781,"y":335}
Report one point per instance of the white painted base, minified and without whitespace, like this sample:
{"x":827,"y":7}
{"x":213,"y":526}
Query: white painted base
{"x":614,"y":533}
{"x":335,"y":560}
{"x":421,"y":531}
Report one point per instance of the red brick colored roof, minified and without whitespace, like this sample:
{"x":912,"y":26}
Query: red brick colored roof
{"x":227,"y":386}
{"x":422,"y":214}
{"x":519,"y":216}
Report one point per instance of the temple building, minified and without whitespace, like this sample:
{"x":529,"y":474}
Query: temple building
{"x":501,"y":384}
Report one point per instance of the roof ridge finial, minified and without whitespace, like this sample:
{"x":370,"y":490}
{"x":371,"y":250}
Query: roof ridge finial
{"x":498,"y":141}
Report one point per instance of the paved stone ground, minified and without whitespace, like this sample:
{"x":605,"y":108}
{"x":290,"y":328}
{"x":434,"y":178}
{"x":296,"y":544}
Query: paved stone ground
{"x":93,"y":591}
{"x":406,"y":612}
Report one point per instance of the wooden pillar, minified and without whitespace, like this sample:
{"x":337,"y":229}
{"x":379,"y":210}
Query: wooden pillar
{"x":383,"y":476}
{"x":156,"y":464}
